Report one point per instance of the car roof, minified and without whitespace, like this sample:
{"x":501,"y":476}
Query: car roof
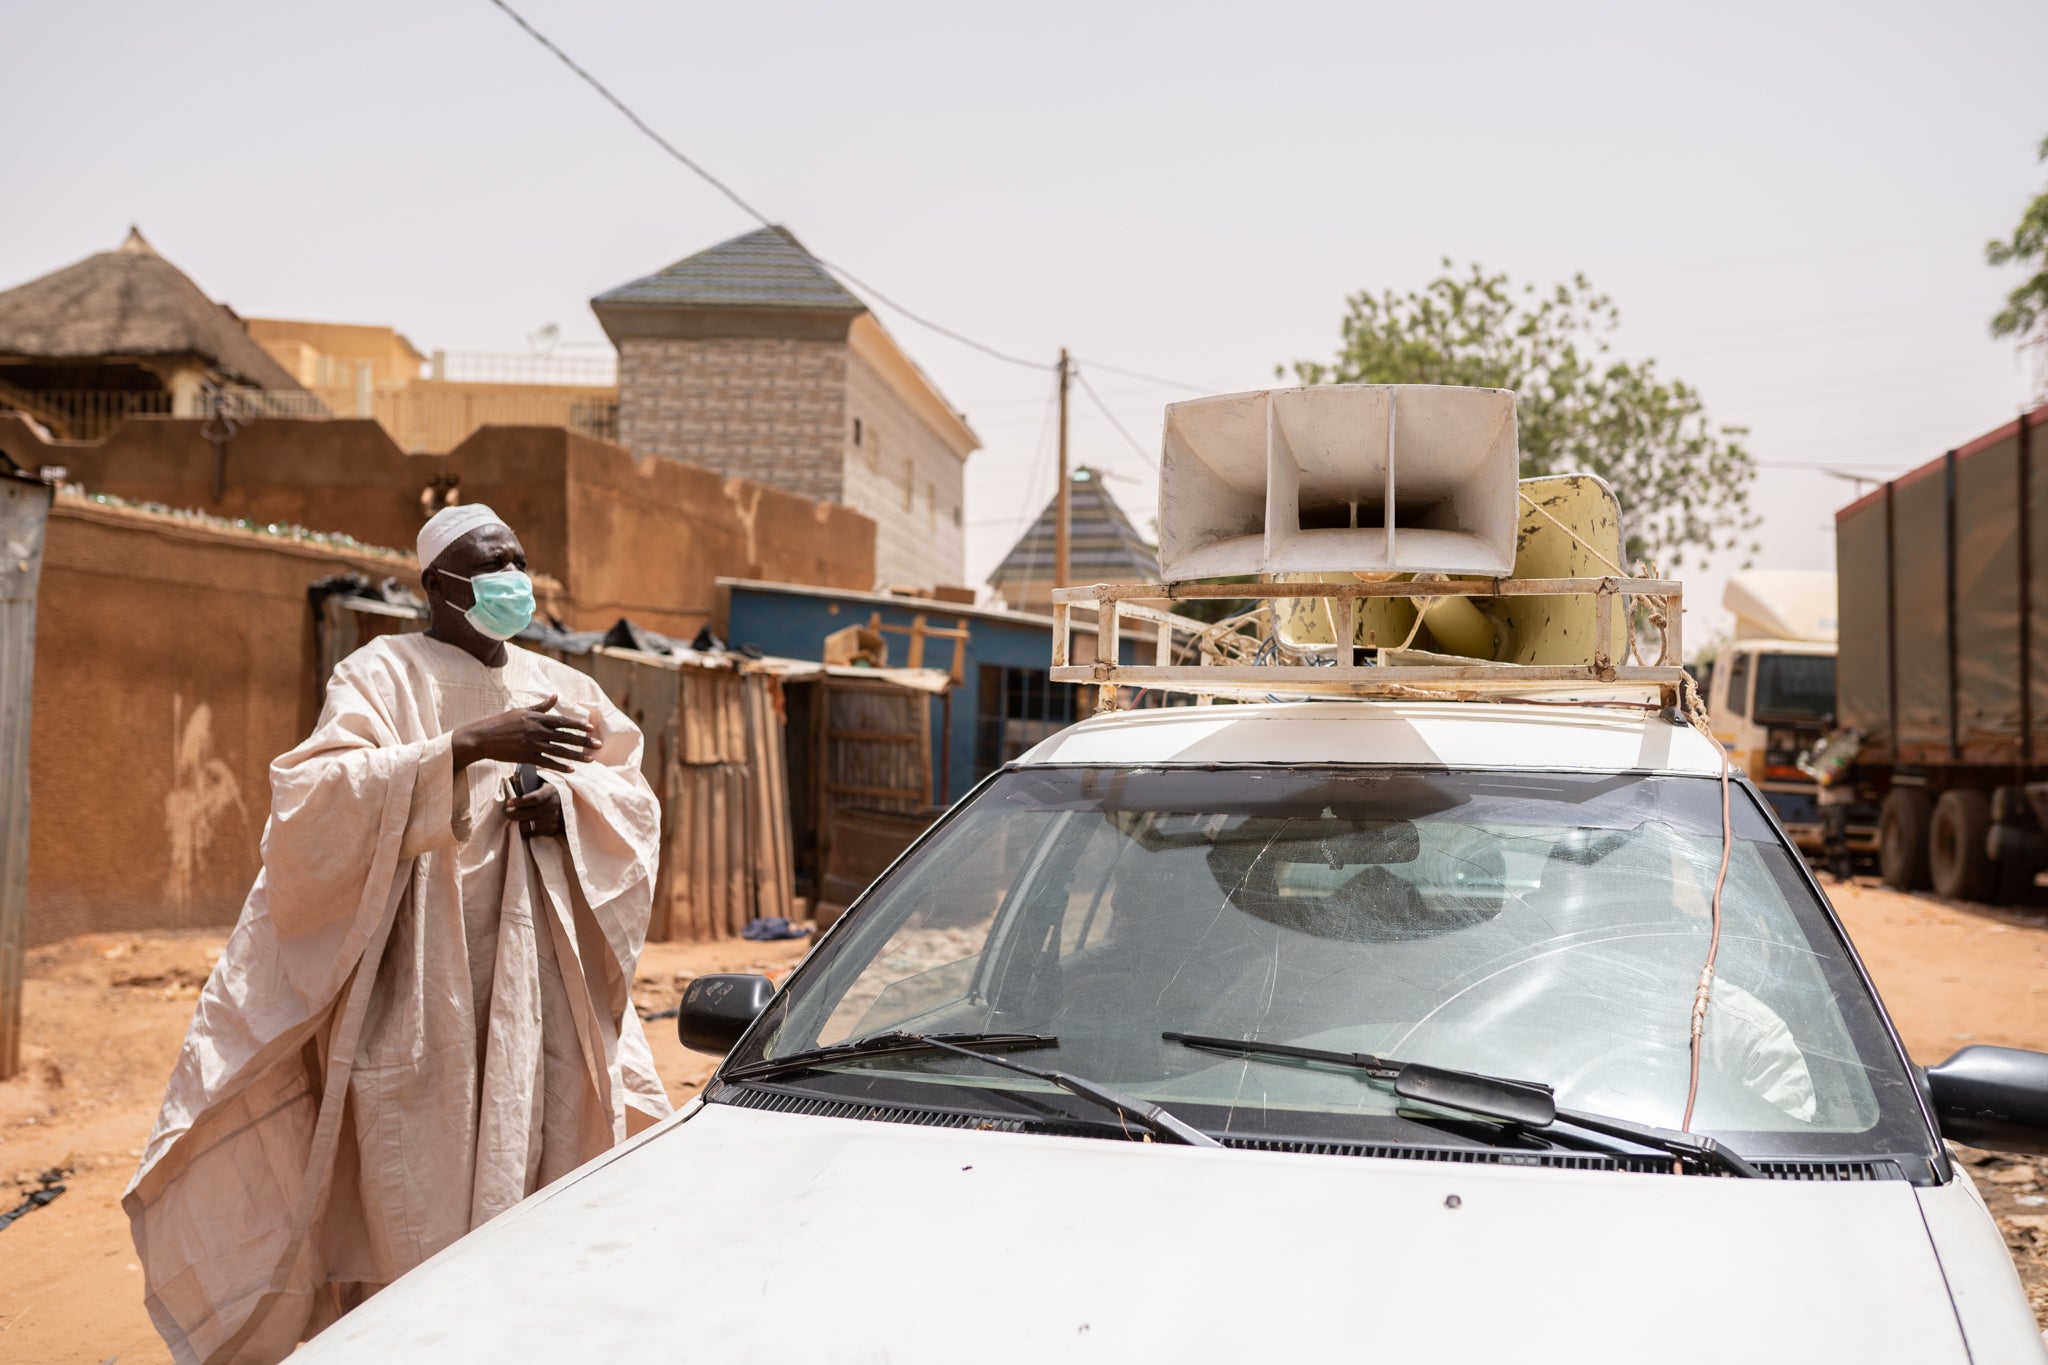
{"x":1389,"y":733}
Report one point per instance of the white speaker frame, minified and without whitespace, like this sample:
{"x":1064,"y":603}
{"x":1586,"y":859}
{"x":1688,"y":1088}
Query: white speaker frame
{"x":1398,"y":478}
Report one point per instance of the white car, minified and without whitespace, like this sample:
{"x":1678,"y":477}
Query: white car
{"x":1299,"y":1032}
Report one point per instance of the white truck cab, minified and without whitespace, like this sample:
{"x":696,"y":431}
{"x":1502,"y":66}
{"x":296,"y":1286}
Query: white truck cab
{"x":1772,"y":690}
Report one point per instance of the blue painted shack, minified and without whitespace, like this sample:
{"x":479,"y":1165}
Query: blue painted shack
{"x":1002,"y":701}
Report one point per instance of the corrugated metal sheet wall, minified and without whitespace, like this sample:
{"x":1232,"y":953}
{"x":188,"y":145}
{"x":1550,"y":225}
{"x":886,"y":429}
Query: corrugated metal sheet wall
{"x":1986,"y":625}
{"x":24,"y":516}
{"x":1920,"y":617}
{"x":714,"y":754}
{"x":1939,"y":574}
{"x":1863,"y":670}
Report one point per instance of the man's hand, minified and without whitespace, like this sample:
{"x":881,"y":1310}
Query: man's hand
{"x":526,"y":734}
{"x":537,"y":812}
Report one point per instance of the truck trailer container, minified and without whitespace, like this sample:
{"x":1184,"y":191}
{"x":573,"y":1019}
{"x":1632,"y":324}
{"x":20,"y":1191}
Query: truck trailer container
{"x":1942,"y":577}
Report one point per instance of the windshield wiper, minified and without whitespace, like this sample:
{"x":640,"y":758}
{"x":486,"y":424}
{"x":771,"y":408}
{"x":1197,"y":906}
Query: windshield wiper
{"x":1525,"y":1104}
{"x":1129,"y":1108}
{"x":882,"y":1045}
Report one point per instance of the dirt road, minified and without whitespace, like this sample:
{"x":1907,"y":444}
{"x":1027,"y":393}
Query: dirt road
{"x":105,"y":1016}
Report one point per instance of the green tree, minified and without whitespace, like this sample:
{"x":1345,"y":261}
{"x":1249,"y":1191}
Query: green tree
{"x":2028,"y":247}
{"x":1683,"y":481}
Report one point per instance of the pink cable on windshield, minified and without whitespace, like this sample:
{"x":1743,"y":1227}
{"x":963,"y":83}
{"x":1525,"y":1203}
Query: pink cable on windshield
{"x":1701,"y":995}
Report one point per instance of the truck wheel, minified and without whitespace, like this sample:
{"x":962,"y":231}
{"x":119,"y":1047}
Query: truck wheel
{"x":1902,"y":838}
{"x":1956,"y":851}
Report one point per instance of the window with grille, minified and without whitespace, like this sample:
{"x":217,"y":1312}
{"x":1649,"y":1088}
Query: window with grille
{"x":1019,"y":707}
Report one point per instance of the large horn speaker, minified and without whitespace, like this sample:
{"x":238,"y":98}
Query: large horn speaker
{"x":1570,"y":527}
{"x":1365,"y":478}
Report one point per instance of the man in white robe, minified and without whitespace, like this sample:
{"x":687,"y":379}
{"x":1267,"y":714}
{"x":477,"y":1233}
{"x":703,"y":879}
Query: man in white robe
{"x":423,"y":1014}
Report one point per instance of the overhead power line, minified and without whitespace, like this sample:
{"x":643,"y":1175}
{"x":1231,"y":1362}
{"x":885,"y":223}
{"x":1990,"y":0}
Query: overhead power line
{"x":924,"y":322}
{"x":1029,"y":517}
{"x":729,"y":192}
{"x":1847,"y":470}
{"x":599,"y":86}
{"x":1148,"y":378}
{"x":1121,"y":430}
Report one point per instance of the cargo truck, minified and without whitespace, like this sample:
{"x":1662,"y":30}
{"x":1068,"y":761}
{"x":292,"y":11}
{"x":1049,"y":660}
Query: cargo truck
{"x":1773,"y":687}
{"x":1943,"y":663}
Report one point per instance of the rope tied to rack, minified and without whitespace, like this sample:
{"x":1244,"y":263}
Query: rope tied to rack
{"x":1696,"y":711}
{"x":1660,"y":606}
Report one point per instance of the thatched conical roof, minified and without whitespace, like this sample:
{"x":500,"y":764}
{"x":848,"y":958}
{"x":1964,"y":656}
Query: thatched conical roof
{"x":130,"y":302}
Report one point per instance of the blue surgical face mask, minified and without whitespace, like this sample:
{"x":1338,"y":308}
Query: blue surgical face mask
{"x":504,"y":602}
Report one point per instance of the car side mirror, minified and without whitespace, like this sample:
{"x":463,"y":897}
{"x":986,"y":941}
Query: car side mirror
{"x":1993,"y":1097}
{"x":717,"y":1009}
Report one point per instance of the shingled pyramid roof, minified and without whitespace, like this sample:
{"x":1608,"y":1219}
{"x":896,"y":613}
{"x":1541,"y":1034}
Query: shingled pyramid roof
{"x":768,"y":268}
{"x":130,"y":302}
{"x":1102,"y":545}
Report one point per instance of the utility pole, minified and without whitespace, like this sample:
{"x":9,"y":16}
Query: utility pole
{"x":1063,"y":516}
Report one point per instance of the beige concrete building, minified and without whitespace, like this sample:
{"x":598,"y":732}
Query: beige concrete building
{"x":428,"y":405}
{"x":751,"y":359}
{"x":331,"y":355}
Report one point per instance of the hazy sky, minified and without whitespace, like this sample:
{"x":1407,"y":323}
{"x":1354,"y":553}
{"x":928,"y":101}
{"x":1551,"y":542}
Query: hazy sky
{"x":1788,"y":202}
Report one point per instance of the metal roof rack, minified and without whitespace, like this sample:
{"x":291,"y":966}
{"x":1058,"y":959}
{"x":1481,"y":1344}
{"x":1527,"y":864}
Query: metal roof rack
{"x":1215,"y":659}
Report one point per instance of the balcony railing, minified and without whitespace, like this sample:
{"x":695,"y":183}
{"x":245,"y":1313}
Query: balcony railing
{"x":242,"y":405}
{"x":594,"y":366}
{"x":429,"y":419}
{"x":84,"y":415}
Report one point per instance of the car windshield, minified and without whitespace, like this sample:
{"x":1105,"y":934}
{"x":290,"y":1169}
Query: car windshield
{"x":1795,"y":686}
{"x":1542,"y":926}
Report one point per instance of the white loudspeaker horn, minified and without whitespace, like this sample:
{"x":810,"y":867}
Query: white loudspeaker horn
{"x":1361,"y":478}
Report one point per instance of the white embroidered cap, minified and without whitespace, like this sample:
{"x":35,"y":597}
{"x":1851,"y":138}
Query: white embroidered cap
{"x":451,"y":524}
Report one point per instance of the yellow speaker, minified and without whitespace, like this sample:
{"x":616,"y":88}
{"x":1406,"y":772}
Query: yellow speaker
{"x":1569,"y":527}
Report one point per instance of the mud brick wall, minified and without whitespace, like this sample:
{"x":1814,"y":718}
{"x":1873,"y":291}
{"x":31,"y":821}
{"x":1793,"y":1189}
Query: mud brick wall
{"x":625,"y":533}
{"x":173,"y":663}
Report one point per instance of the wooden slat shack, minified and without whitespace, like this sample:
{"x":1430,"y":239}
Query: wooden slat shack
{"x":24,"y":516}
{"x":714,"y":754}
{"x":861,"y":773}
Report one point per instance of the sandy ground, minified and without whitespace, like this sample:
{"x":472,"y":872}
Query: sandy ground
{"x":105,"y":1016}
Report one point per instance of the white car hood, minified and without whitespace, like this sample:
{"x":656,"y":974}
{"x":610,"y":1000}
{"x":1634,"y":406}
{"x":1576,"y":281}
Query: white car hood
{"x":745,"y":1235}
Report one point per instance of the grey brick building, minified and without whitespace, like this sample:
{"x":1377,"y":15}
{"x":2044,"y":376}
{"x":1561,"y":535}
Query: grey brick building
{"x":751,"y":359}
